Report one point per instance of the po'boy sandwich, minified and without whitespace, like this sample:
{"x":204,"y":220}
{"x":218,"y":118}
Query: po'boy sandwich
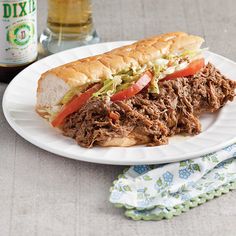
{"x":142,"y":93}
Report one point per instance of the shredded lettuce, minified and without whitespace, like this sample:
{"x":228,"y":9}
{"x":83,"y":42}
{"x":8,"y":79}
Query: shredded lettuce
{"x":192,"y":53}
{"x":188,"y":53}
{"x":125,"y":72}
{"x":68,"y":96}
{"x":71,"y":93}
{"x":157,"y":69}
{"x":123,"y":86}
{"x":51,"y":112}
{"x":161,"y":67}
{"x":120,"y":81}
{"x":109,"y":86}
{"x":168,"y":65}
{"x":154,"y":88}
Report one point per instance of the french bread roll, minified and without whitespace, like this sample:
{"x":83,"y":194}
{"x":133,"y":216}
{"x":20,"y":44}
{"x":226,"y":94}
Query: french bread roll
{"x":55,"y":83}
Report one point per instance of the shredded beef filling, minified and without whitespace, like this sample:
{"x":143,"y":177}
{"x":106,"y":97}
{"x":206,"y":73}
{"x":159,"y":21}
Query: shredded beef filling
{"x":153,"y":118}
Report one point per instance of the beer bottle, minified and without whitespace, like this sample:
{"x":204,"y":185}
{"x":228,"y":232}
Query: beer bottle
{"x":18,"y":36}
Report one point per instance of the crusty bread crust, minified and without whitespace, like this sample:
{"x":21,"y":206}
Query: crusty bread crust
{"x":54,"y":83}
{"x":96,"y":68}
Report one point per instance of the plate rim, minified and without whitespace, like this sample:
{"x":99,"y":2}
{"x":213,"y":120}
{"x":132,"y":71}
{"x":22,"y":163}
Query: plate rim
{"x":85,"y":157}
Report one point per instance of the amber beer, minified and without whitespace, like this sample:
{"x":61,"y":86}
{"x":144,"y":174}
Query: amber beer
{"x":68,"y":17}
{"x":69,"y":25}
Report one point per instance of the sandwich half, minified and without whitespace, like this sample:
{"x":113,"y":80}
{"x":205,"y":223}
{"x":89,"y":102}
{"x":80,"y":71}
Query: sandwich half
{"x":142,"y":93}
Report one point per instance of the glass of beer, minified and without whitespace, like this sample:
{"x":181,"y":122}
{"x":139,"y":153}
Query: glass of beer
{"x":69,"y":25}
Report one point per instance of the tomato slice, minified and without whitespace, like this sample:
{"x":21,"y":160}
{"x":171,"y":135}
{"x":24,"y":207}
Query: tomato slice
{"x":192,"y":69}
{"x":75,"y":104}
{"x":133,"y":89}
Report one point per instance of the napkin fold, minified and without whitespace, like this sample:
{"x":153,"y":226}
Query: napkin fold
{"x":155,"y":192}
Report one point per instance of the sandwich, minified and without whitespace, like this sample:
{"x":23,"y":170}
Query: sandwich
{"x":141,"y":93}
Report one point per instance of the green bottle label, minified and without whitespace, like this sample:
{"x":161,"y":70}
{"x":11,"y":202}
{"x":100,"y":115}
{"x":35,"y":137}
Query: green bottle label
{"x":21,"y":34}
{"x":19,"y":38}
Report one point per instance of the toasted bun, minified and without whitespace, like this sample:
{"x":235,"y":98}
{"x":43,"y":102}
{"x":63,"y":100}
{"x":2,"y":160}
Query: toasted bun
{"x":131,"y":140}
{"x":119,"y":142}
{"x":53,"y":84}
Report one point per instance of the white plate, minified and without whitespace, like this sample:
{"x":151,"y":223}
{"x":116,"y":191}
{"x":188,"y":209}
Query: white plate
{"x":219,"y":129}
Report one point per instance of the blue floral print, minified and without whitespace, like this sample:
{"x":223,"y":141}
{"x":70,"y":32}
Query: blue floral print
{"x":141,"y":169}
{"x":229,"y":148}
{"x":184,"y":173}
{"x":222,"y":164}
{"x":153,"y":190}
{"x":168,"y":177}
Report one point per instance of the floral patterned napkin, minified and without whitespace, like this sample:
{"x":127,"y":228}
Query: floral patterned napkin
{"x":163,"y":191}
